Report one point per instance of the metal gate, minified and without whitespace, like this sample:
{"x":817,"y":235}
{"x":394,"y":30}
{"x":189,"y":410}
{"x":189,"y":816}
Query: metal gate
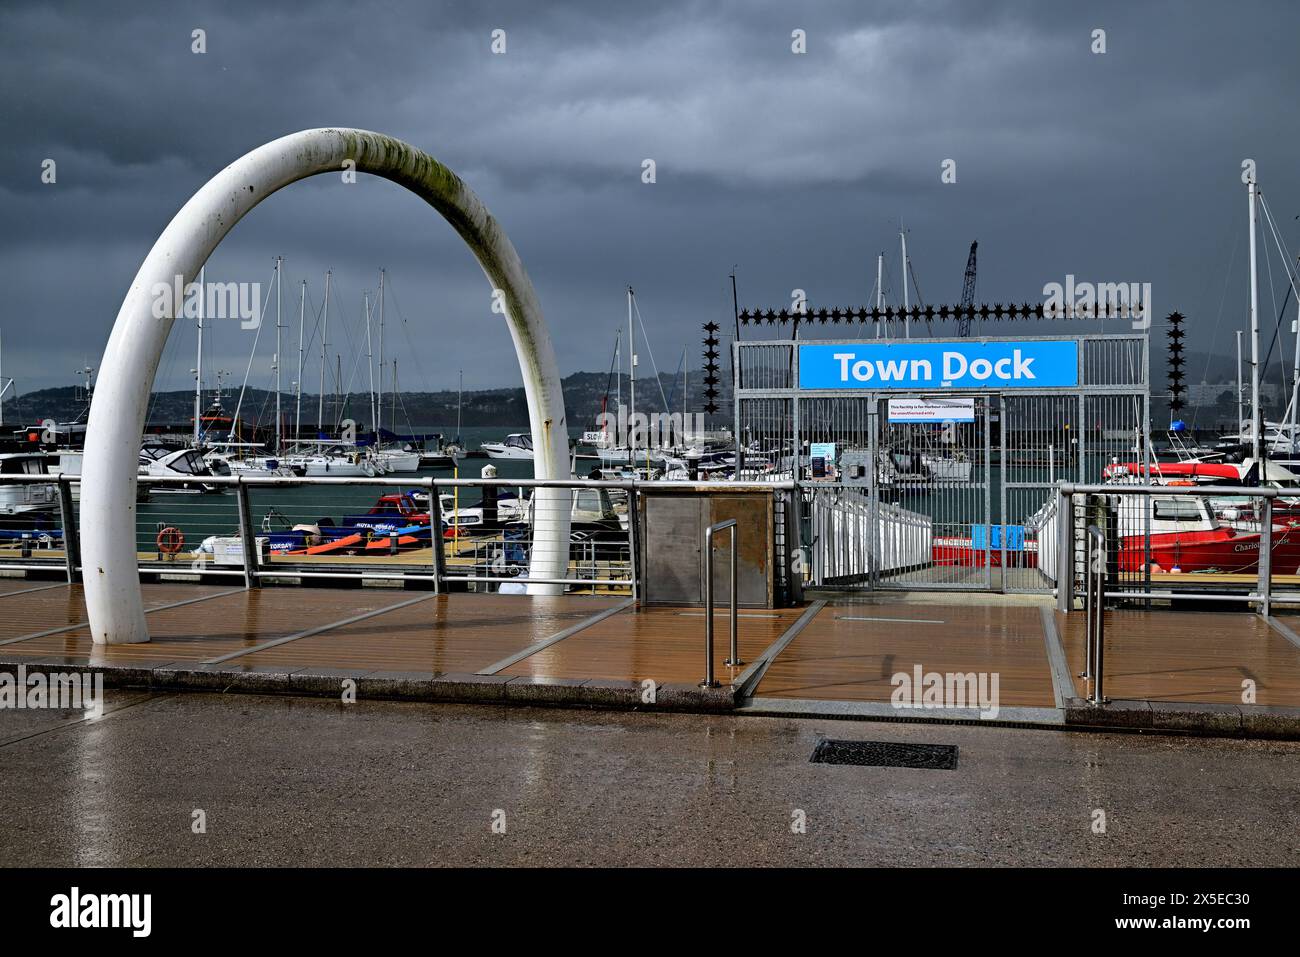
{"x":941,"y":470}
{"x":964,"y":502}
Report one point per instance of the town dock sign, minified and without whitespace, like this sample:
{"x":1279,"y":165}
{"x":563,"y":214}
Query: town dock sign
{"x":993,"y":365}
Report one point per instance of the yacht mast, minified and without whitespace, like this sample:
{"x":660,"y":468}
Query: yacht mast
{"x":370,"y":362}
{"x":302,"y":305}
{"x":380,"y":400}
{"x":880,"y":288}
{"x":460,"y":397}
{"x":1241,"y":389}
{"x":320,"y":405}
{"x":198,"y":371}
{"x":279,"y":437}
{"x":907,"y":321}
{"x":1255,"y":416}
{"x":631,"y":381}
{"x":1295,"y":372}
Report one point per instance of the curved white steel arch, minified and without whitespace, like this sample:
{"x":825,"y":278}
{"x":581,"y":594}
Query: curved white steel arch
{"x":126,"y":373}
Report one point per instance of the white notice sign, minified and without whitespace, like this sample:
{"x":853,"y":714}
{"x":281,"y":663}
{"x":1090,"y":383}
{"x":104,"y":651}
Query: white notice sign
{"x":955,"y":408}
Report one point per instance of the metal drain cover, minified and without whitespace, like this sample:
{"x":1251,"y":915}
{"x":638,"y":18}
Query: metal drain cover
{"x":886,"y":754}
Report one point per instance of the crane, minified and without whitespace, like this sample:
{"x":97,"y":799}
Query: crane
{"x":967,"y":293}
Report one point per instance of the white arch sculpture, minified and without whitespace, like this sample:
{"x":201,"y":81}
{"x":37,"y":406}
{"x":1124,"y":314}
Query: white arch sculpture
{"x":108,"y":485}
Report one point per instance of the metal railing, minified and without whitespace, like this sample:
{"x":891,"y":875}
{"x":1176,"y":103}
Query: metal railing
{"x":734,"y":658}
{"x":238,"y":526}
{"x":1094,"y":615}
{"x":436,"y":547}
{"x":1133,"y":569}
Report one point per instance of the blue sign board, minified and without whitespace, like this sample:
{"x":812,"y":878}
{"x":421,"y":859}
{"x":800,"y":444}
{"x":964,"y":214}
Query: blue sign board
{"x":917,"y":364}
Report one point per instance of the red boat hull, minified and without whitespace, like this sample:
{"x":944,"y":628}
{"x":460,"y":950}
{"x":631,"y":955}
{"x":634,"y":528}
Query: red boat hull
{"x":1220,"y":549}
{"x":960,"y":552}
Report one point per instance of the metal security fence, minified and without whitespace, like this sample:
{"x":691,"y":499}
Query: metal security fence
{"x":980,"y":487}
{"x":1160,"y":544}
{"x":475,"y":534}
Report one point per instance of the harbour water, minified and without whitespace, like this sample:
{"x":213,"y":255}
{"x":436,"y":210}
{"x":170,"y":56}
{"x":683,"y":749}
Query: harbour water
{"x":200,"y":516}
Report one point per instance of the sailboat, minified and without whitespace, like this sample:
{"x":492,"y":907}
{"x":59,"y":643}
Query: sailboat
{"x":322,"y":456}
{"x":1198,"y":533}
{"x":447,"y":454}
{"x":618,"y":450}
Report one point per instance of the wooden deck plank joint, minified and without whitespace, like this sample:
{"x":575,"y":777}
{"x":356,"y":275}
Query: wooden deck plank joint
{"x":751,"y":676}
{"x":531,"y":650}
{"x":319,"y":629}
{"x":1062,"y":679}
{"x":148,"y":611}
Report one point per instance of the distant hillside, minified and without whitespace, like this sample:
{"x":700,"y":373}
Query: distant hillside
{"x":583,"y":394}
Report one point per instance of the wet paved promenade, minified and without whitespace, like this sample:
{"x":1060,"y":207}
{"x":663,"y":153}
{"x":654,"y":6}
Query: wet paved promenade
{"x":1221,"y":673}
{"x":311,"y":781}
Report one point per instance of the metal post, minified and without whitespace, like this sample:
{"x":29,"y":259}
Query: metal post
{"x":1095,"y":611}
{"x":71,"y":544}
{"x":435,"y":536}
{"x":1087,"y":625}
{"x":1002,"y":492}
{"x":634,"y":539}
{"x":1098,"y":697}
{"x":1064,"y":551}
{"x":1266,"y":553}
{"x":1256,"y":413}
{"x":734,"y":660}
{"x":730,"y":523}
{"x":247,"y":536}
{"x":708,"y":681}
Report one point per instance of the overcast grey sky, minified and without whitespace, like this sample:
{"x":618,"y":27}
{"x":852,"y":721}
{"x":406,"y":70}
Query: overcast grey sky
{"x":1116,"y":167}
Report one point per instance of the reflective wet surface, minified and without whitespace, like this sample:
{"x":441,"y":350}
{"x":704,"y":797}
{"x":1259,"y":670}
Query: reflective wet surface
{"x":294,"y":781}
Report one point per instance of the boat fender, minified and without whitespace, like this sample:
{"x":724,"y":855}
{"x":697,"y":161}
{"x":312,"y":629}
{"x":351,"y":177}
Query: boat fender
{"x":311,"y":534}
{"x":170,"y":540}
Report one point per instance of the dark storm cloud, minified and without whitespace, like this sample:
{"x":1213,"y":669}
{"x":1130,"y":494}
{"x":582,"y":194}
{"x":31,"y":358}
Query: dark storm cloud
{"x":1119,"y":167}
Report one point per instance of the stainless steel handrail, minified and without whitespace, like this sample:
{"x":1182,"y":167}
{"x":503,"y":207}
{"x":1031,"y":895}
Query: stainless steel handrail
{"x":1094,"y":604}
{"x":1212,"y":491}
{"x":253,"y":569}
{"x":734,"y":659}
{"x":1262,"y":593}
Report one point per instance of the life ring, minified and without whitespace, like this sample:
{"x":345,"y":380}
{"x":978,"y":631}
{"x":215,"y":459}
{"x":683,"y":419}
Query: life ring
{"x":170,"y":540}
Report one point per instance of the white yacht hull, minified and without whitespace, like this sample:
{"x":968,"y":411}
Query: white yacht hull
{"x":398,"y":461}
{"x":501,"y":452}
{"x":317,"y":467}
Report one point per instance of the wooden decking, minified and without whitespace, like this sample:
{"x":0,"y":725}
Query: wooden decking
{"x":1188,"y":656}
{"x":847,"y":651}
{"x":456,"y":633}
{"x":850,"y":651}
{"x":665,"y":645}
